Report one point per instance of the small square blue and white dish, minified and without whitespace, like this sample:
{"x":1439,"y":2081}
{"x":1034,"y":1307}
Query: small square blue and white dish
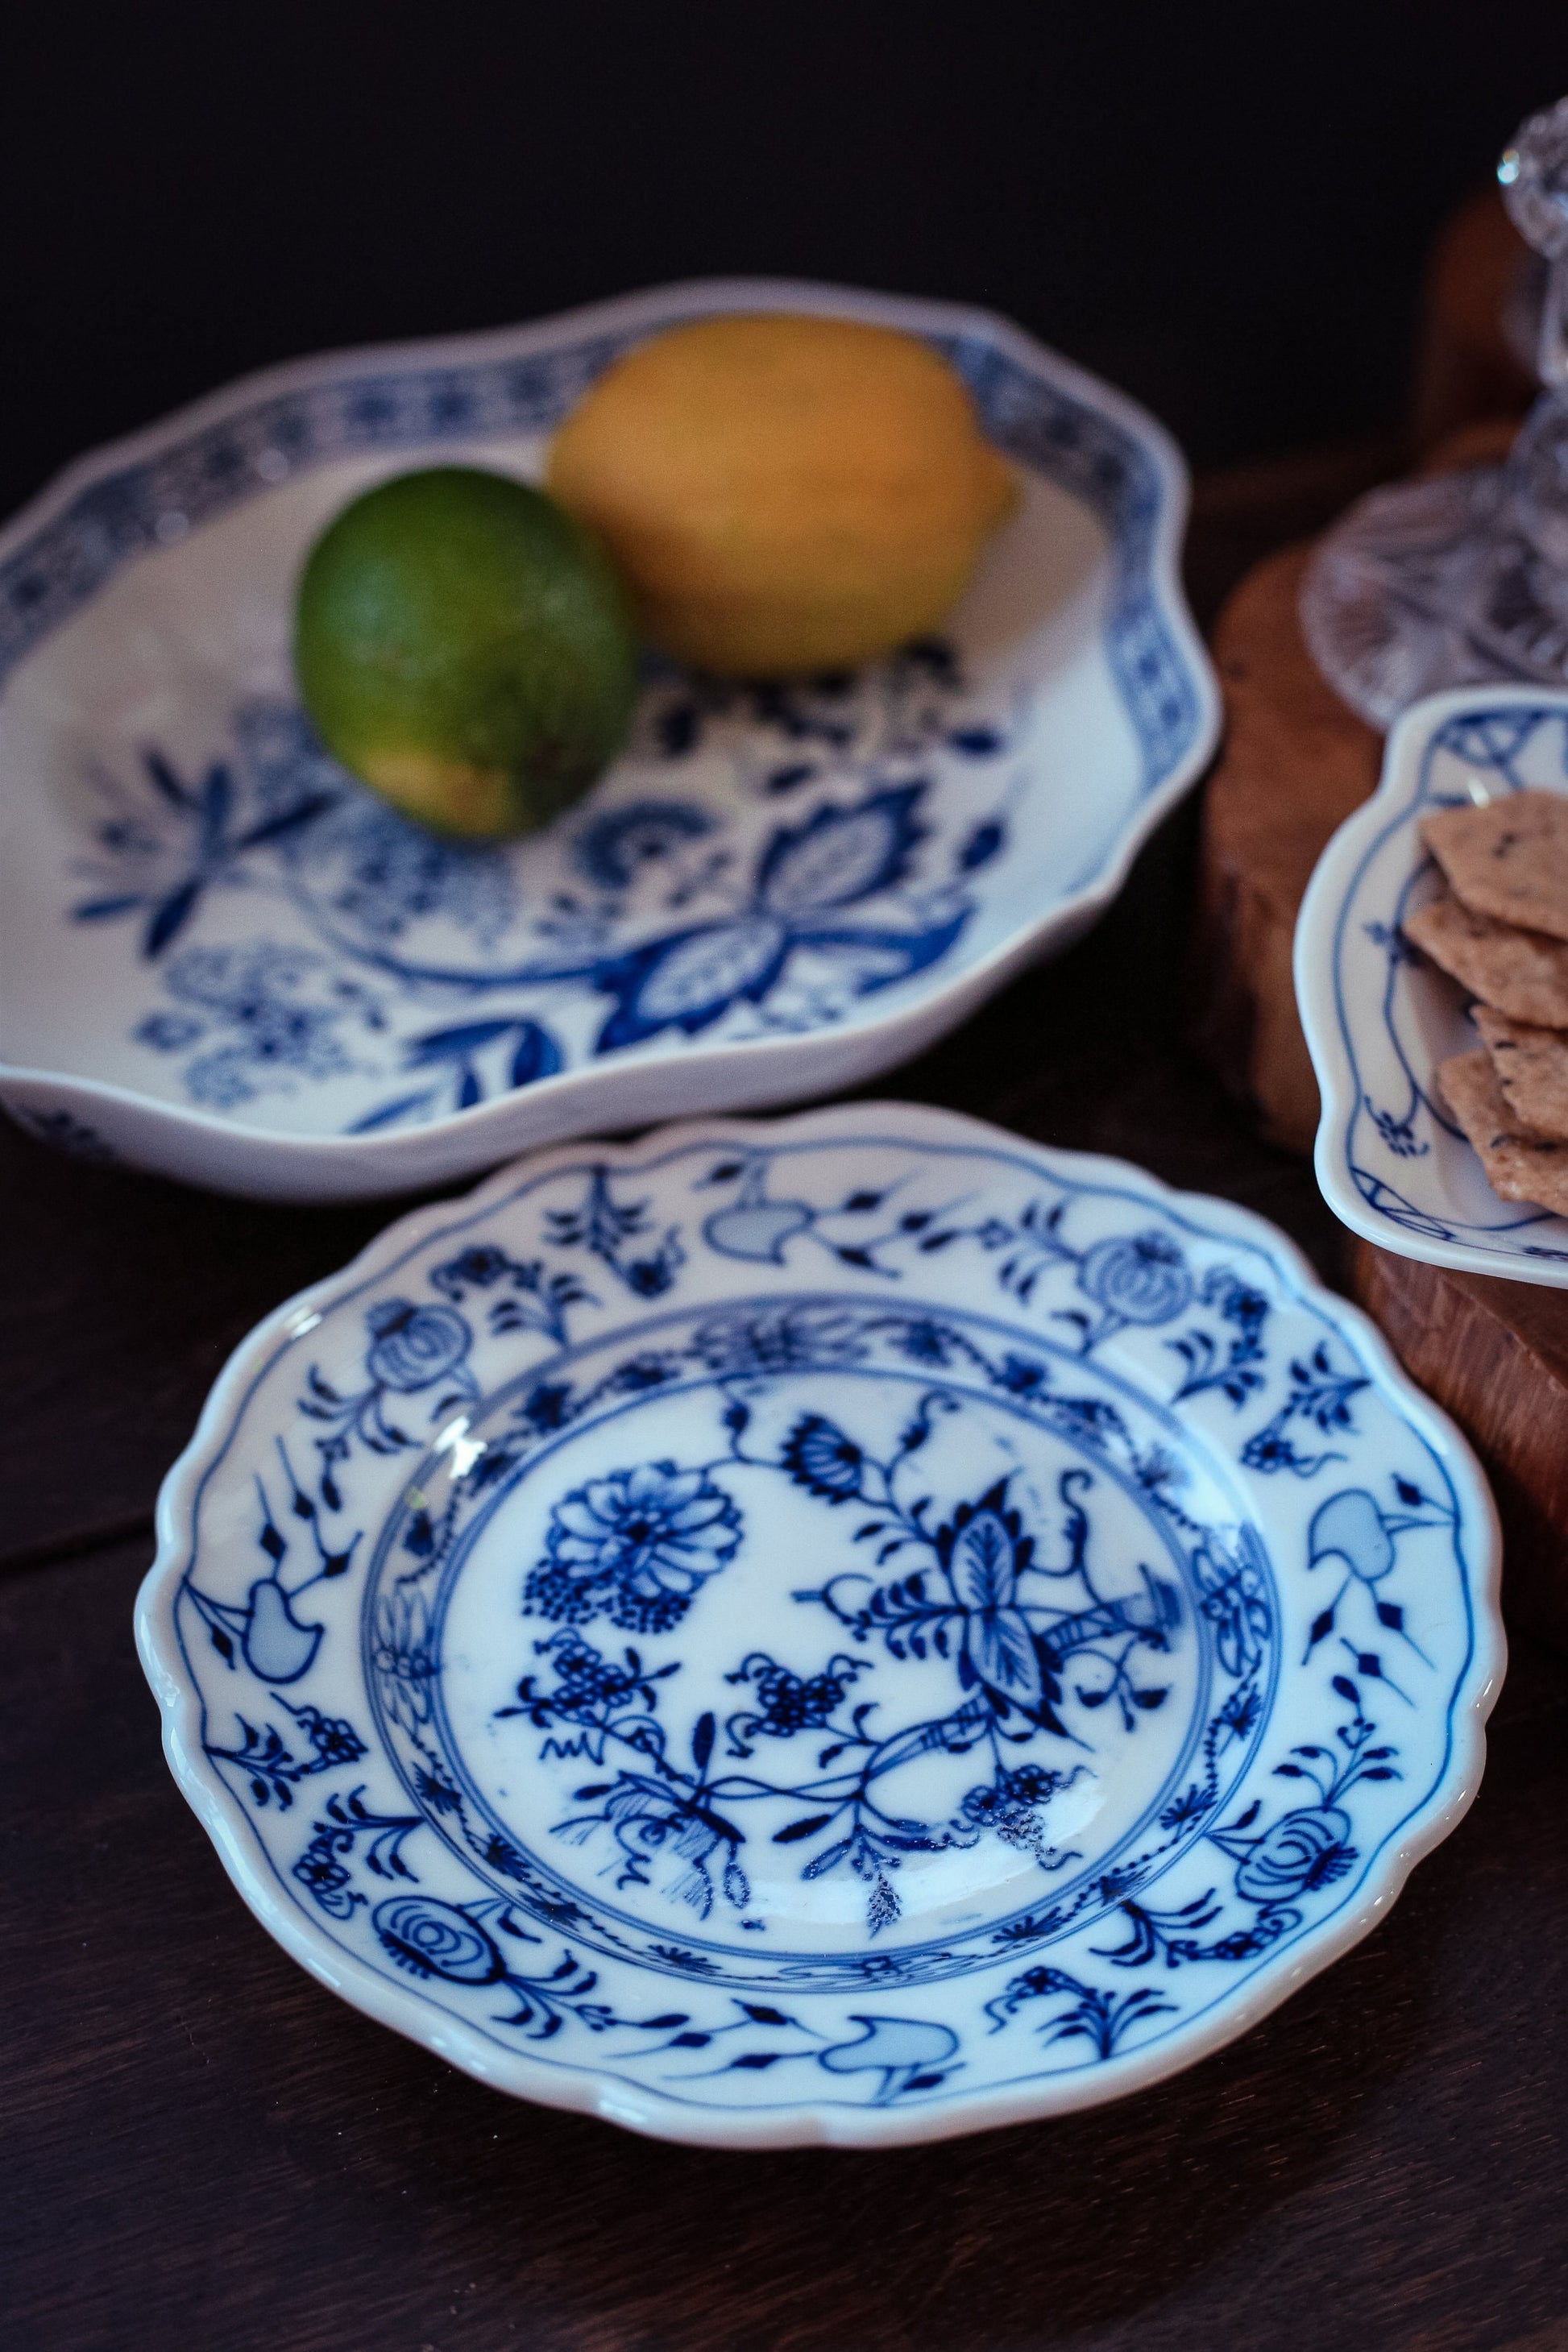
{"x":1380,"y":1018}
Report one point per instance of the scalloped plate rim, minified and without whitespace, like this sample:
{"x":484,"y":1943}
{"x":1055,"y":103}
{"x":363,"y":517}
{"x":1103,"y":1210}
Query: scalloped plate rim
{"x":516,"y":2074}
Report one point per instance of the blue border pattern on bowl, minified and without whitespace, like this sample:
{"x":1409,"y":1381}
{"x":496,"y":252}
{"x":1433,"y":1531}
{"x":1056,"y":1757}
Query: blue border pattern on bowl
{"x":512,"y":1079}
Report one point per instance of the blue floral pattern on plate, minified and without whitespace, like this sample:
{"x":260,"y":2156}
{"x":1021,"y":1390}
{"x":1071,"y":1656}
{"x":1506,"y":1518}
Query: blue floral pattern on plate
{"x":856,"y":1629}
{"x":836,"y":891}
{"x":775,"y":887}
{"x":1379,"y":1018}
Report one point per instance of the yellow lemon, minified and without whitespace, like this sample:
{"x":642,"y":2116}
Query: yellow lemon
{"x":783,"y":493}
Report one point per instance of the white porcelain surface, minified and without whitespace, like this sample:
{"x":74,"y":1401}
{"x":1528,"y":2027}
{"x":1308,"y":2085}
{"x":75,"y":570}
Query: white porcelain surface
{"x":853,"y":1628}
{"x":221,"y":959}
{"x":1392,"y":1162}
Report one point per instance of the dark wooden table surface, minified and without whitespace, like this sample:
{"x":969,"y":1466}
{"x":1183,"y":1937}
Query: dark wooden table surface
{"x":200,"y":2147}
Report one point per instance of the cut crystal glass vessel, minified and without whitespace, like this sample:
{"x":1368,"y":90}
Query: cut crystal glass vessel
{"x":1464,"y":578}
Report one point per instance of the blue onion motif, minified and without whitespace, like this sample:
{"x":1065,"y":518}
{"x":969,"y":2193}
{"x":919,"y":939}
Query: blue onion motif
{"x":637,"y":1545}
{"x":1304,"y":1850}
{"x":615,"y":844}
{"x":415,"y":1346}
{"x":436,"y":1940}
{"x":1140,"y":1278}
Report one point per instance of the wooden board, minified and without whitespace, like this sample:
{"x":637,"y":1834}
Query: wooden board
{"x":1495,"y":1355}
{"x":1295,"y":761}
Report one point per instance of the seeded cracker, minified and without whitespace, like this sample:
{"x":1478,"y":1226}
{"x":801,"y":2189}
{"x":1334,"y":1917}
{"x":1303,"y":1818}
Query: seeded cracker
{"x":1528,"y":1168}
{"x":1531,"y":1068}
{"x":1508,"y":859}
{"x":1524,"y":973}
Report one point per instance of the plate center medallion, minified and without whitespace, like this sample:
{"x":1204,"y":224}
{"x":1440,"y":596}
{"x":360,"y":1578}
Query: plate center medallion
{"x":820,"y":1637}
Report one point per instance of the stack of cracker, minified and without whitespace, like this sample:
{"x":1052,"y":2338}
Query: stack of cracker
{"x":1504,"y":934}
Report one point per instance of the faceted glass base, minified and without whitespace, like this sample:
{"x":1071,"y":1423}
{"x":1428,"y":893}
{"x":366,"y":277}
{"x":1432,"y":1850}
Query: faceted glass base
{"x":1434,"y":583}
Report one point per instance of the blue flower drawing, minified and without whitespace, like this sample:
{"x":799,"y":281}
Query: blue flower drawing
{"x":266,"y":1016}
{"x":1305,"y":1850}
{"x":414,"y":1345}
{"x":1134,"y":1278}
{"x":637,"y":1545}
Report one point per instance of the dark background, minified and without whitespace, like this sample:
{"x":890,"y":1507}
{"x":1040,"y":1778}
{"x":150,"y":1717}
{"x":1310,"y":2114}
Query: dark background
{"x":1222,"y":207}
{"x":1227,"y":209}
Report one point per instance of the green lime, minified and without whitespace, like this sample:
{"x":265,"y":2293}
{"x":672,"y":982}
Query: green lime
{"x":464,"y":645}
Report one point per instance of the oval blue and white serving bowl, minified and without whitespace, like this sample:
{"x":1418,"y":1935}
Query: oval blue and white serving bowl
{"x":1391,"y":1160}
{"x":221,"y":959}
{"x":856,"y":1629}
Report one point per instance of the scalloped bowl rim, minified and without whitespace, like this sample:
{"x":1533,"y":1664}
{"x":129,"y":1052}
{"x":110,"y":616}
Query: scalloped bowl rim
{"x":745,"y":1075}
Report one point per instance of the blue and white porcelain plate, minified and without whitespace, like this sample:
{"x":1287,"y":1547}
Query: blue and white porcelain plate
{"x":852,"y":1629}
{"x":221,"y":958}
{"x":1391,"y":1160}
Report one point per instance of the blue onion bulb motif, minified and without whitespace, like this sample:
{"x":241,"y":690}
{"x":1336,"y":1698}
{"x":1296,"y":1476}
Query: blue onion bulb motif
{"x":1304,"y":1850}
{"x":637,"y":1545}
{"x":413,"y":1347}
{"x":1136,"y":1278}
{"x":436,"y":1940}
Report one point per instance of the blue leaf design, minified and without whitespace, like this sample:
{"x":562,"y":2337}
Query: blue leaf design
{"x":454,"y":1044}
{"x":217,"y":800}
{"x":687,"y":980}
{"x":914,"y":950}
{"x":470,"y":1091}
{"x":399,"y":1109}
{"x":982,"y":846}
{"x":982,"y":1565}
{"x":291,"y":821}
{"x":170,"y":918}
{"x":95,"y":909}
{"x":167,"y":781}
{"x":537,"y":1054}
{"x":841,"y":855}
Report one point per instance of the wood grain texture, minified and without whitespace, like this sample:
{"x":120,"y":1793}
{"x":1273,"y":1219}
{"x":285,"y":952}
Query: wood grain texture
{"x":1295,"y":763}
{"x":1495,"y":1355}
{"x":205,"y":2148}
